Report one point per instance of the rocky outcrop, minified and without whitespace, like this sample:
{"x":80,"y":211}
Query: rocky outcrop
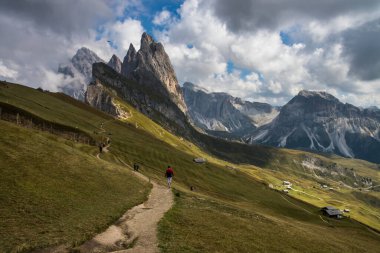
{"x":151,"y":67}
{"x":115,"y":63}
{"x":99,"y":97}
{"x":108,"y":84}
{"x":78,"y":72}
{"x":219,"y":112}
{"x":129,"y":62}
{"x":319,"y":121}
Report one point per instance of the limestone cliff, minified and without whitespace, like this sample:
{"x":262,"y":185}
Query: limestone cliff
{"x":151,"y":66}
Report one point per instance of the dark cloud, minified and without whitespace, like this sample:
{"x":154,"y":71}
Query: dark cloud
{"x":37,"y":35}
{"x":362,"y":46}
{"x":250,"y":15}
{"x":66,"y":17}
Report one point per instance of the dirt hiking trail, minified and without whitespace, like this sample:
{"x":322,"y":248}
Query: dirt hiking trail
{"x":136,"y":230}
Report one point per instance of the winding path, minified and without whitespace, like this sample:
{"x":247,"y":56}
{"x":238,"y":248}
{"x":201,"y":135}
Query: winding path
{"x":135,"y":231}
{"x":137,"y":228}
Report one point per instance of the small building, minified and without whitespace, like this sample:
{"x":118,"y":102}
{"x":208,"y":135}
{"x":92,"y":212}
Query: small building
{"x":286,"y":191}
{"x":324,"y":186}
{"x":199,"y":160}
{"x":346,"y":210}
{"x":288,"y":187}
{"x":287,"y":183}
{"x":332,"y":212}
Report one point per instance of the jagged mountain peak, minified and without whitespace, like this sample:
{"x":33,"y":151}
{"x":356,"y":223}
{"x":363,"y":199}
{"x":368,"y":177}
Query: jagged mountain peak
{"x":317,"y":94}
{"x":221,"y":114}
{"x":84,"y":50}
{"x":114,"y":58}
{"x":83,"y":60}
{"x":79,"y":69}
{"x":84,"y":53}
{"x":146,"y":41}
{"x":115,"y":63}
{"x":151,"y":66}
{"x":131,"y":49}
{"x":151,"y":47}
{"x":319,"y":121}
{"x":130,"y":62}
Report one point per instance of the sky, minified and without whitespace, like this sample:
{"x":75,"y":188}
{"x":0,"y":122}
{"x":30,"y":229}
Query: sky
{"x":258,"y":50}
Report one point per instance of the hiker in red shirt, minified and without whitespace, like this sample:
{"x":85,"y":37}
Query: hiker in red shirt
{"x":169,"y":175}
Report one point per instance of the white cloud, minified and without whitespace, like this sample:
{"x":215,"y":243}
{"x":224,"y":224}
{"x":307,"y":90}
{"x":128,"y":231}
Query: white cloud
{"x":162,"y":18}
{"x":232,"y":82}
{"x":200,"y":45}
{"x":123,"y":33}
{"x":7,"y":72}
{"x":30,"y":51}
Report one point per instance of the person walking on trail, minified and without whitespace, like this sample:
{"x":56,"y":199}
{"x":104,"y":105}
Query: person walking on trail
{"x":169,"y":175}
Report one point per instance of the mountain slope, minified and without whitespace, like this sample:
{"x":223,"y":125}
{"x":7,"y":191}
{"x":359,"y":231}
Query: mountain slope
{"x":108,"y":84}
{"x":53,"y":189}
{"x":248,"y":210}
{"x":318,"y":121}
{"x":287,"y":164}
{"x":79,"y":72}
{"x":220,"y":112}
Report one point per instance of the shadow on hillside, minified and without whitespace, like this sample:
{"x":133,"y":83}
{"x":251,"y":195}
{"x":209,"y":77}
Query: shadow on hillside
{"x":236,"y":152}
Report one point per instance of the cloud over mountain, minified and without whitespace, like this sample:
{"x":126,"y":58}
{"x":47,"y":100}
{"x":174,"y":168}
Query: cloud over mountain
{"x":262,"y":50}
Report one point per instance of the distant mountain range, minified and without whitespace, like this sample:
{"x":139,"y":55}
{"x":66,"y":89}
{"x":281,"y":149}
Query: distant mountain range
{"x":315,"y":121}
{"x":221,"y":114}
{"x":319,"y":121}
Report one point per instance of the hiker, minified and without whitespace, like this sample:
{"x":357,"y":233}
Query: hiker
{"x":169,"y":175}
{"x":136,"y":167}
{"x":100,"y":148}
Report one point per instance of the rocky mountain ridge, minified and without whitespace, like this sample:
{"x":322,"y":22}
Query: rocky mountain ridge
{"x":220,"y":112}
{"x":151,"y":66}
{"x":320,"y":122}
{"x":108,"y":86}
{"x":147,"y":81}
{"x":315,"y":121}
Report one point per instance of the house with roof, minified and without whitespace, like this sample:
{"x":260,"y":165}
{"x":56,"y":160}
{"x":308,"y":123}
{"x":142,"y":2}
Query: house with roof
{"x":332,"y":212}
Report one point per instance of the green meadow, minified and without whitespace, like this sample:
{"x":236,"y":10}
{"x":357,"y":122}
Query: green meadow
{"x":56,"y":191}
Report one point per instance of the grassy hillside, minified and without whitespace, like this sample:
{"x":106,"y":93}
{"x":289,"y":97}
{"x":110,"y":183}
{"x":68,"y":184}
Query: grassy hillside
{"x":198,"y":224}
{"x":53,"y":191}
{"x":279,"y":165}
{"x":230,"y":210}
